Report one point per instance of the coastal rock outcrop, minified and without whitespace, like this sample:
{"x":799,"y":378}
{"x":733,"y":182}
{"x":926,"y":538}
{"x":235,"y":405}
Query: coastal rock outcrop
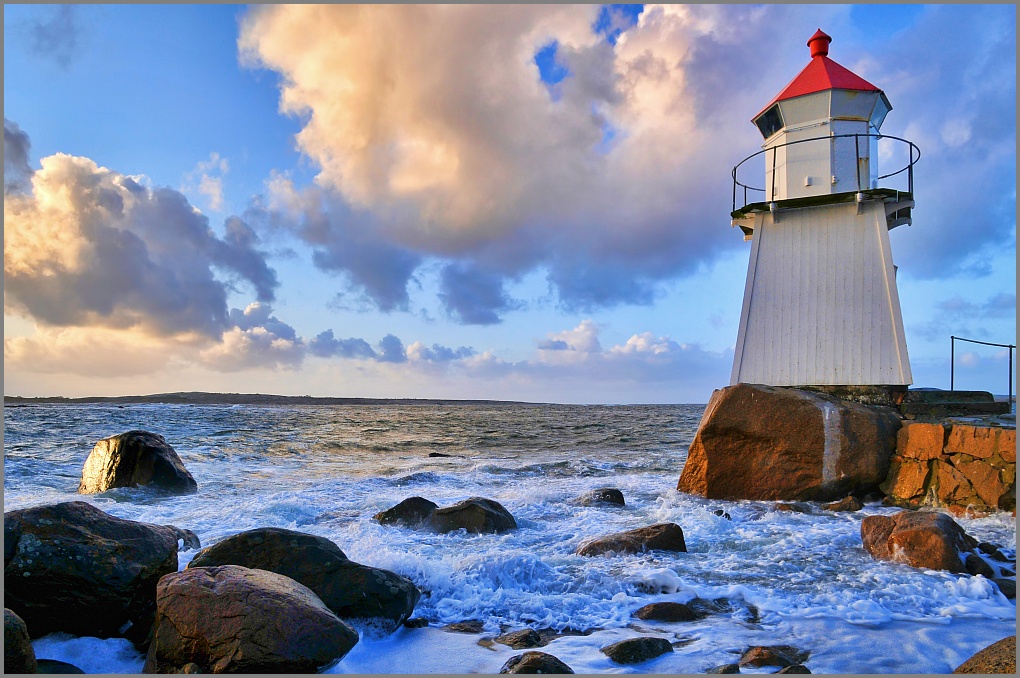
{"x":764,"y":442}
{"x":603,"y":496}
{"x":233,"y":619}
{"x":637,"y":650}
{"x":475,"y":514}
{"x":926,"y":539}
{"x":999,"y":657}
{"x":19,"y":656}
{"x":132,"y":459}
{"x":74,"y":568}
{"x":351,"y":590}
{"x":411,"y":512}
{"x":535,"y":662}
{"x":661,"y":537}
{"x":952,"y":465}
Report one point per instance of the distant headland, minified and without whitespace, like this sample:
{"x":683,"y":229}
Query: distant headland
{"x":201,"y":398}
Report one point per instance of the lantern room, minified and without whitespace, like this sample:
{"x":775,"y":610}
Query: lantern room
{"x":824,"y":100}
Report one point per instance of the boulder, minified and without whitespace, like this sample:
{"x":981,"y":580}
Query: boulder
{"x":725,"y":668}
{"x":661,"y":537}
{"x":535,"y":662}
{"x":772,"y":655}
{"x":349,"y":589}
{"x":71,"y":567}
{"x":232,"y":619}
{"x":636,"y":650}
{"x":521,"y":640}
{"x":925,"y":539}
{"x":468,"y":626}
{"x":602,"y":496}
{"x":796,"y":668}
{"x":411,"y":512}
{"x":846,"y":504}
{"x":666,"y":612}
{"x":476,"y":514}
{"x":999,"y":657}
{"x":19,"y":655}
{"x":764,"y":442}
{"x":132,"y":459}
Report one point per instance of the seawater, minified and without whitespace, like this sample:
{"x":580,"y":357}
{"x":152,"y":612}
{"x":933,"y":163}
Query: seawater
{"x":787,"y":578}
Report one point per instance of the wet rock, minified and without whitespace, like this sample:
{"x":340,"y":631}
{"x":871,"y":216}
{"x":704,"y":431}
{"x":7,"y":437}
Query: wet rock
{"x":437,"y":455}
{"x":791,"y":508}
{"x":601,"y":496}
{"x":924,"y":539}
{"x":71,"y":567}
{"x":535,"y":662}
{"x":666,"y":612}
{"x":725,"y":668}
{"x":233,"y":619}
{"x":999,"y":657}
{"x":521,"y":640}
{"x":54,"y":666}
{"x":349,"y":589}
{"x":796,"y":668}
{"x":19,"y":656}
{"x":637,"y":650}
{"x":416,"y":623}
{"x":190,"y":667}
{"x":722,"y":514}
{"x":764,"y":442}
{"x":850,"y":503}
{"x":132,"y":459}
{"x":1007,"y":586}
{"x":476,"y":515}
{"x":411,"y":512}
{"x":976,"y":565}
{"x":772,"y":655}
{"x":662,"y":537}
{"x":467,"y":626}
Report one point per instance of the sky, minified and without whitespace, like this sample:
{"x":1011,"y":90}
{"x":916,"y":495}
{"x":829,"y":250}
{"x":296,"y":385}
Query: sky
{"x":523,"y":202}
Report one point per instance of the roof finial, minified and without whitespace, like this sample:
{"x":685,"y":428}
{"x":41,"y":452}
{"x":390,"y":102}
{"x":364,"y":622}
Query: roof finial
{"x":819,"y":44}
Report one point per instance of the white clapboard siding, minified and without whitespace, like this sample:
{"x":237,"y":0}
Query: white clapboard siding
{"x":820,"y":301}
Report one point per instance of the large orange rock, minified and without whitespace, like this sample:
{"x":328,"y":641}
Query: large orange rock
{"x":764,"y":442}
{"x":907,"y":481}
{"x":925,"y":539}
{"x":999,"y":657}
{"x":919,"y":440}
{"x":982,"y":441}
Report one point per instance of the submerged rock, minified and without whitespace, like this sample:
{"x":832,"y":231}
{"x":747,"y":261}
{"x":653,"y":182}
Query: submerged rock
{"x":467,"y":626}
{"x":662,"y":537}
{"x":999,"y":657}
{"x":765,"y":442}
{"x":411,"y":512}
{"x":349,"y":589}
{"x":637,"y":650}
{"x":233,"y":619}
{"x":601,"y":496}
{"x":535,"y":662}
{"x":132,"y":459}
{"x":19,"y":656}
{"x":925,"y":539}
{"x":476,"y":515}
{"x":71,"y":567}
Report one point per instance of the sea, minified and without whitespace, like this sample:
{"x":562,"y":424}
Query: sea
{"x":780,"y":578}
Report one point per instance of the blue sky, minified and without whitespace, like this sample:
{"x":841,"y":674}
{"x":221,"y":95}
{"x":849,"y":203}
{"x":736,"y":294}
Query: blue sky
{"x":524,"y":203}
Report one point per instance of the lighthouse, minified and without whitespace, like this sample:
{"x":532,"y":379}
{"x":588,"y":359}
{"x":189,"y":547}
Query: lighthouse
{"x":820,"y":303}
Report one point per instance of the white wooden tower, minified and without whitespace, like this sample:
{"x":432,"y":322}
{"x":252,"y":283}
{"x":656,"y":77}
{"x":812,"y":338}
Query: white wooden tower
{"x":820,"y":302}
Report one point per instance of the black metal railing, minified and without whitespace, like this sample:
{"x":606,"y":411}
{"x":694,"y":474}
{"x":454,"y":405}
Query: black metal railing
{"x":952,"y":360}
{"x":915,"y":155}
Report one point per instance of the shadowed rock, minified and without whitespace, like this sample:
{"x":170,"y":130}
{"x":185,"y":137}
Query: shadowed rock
{"x":233,"y":619}
{"x":132,"y":459}
{"x":850,"y":503}
{"x":349,"y":589}
{"x":411,"y":512}
{"x":637,"y":650}
{"x":602,"y":496}
{"x":725,"y":668}
{"x":796,"y":668}
{"x":19,"y":656}
{"x":54,"y":666}
{"x":667,"y":612}
{"x":468,"y":626}
{"x":535,"y":662}
{"x":476,"y":515}
{"x":772,"y":655}
{"x":662,"y":537}
{"x":999,"y":657}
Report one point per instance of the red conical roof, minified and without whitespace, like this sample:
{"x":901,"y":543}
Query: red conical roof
{"x":821,"y":73}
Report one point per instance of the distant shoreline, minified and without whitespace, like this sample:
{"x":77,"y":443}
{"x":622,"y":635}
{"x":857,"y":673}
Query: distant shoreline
{"x":200,"y":398}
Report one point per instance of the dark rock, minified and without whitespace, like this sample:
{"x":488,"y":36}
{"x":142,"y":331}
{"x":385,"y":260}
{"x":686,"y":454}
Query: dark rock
{"x":233,"y":619}
{"x":535,"y":662}
{"x":666,"y":612}
{"x":739,"y":451}
{"x":796,"y":668}
{"x":54,"y":666}
{"x":521,"y":640}
{"x":725,"y":668}
{"x":132,"y":459}
{"x":440,"y":454}
{"x":792,"y":508}
{"x":190,"y":667}
{"x":19,"y":656}
{"x":603,"y":495}
{"x":468,"y":626}
{"x":1007,"y":502}
{"x":924,"y":539}
{"x":349,"y":589}
{"x":987,"y":548}
{"x":662,"y":537}
{"x":850,"y":503}
{"x":773,"y":655}
{"x":636,"y":650}
{"x":723,"y":514}
{"x":1007,"y":586}
{"x":411,"y":512}
{"x":416,"y":623}
{"x":73,"y":568}
{"x":999,"y":657}
{"x":476,"y":515}
{"x":976,"y":565}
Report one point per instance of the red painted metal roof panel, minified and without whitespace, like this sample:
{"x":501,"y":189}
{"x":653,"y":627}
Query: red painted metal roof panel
{"x":822,"y":73}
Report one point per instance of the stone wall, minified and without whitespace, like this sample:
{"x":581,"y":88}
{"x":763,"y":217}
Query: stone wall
{"x":953,"y":465}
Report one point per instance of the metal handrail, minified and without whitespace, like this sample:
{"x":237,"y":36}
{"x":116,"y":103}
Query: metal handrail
{"x":952,"y":360}
{"x":909,"y":168}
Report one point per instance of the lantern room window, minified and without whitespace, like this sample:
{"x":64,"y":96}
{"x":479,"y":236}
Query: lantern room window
{"x":770,"y":122}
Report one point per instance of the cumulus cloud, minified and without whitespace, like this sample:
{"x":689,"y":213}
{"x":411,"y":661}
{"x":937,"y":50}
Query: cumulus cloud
{"x":207,"y":180}
{"x":437,"y":353}
{"x":325,"y":345}
{"x":89,"y":246}
{"x":17,"y":170}
{"x":256,"y":339}
{"x":474,"y":296}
